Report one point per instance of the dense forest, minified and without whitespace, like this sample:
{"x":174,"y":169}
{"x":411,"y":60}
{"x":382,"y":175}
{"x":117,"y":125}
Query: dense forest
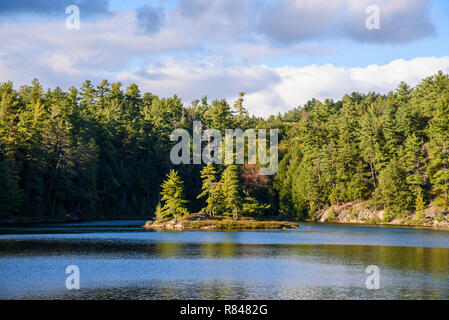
{"x":103,"y":151}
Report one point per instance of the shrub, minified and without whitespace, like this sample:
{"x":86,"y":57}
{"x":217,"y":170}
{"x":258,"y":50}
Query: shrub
{"x":332,"y":216}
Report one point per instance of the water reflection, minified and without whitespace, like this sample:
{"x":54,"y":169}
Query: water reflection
{"x":119,"y":264}
{"x":419,"y":259}
{"x":232,"y":290}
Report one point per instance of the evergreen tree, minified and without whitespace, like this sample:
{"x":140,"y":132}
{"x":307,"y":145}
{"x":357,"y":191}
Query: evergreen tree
{"x":420,"y":207}
{"x":251,"y":207}
{"x":103,"y":151}
{"x":219,"y":199}
{"x":218,"y":116}
{"x":413,"y":161}
{"x":231,"y":190}
{"x":208,"y":174}
{"x":392,"y":191}
{"x":240,"y":113}
{"x":439,"y":150}
{"x":172,"y":196}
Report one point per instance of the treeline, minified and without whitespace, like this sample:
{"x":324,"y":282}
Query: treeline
{"x":104,"y":151}
{"x":100,"y":151}
{"x":392,"y":150}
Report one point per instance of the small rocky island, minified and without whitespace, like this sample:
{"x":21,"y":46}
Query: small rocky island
{"x":203,"y":222}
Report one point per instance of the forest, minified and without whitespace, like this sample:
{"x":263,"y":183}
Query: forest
{"x":103,"y":151}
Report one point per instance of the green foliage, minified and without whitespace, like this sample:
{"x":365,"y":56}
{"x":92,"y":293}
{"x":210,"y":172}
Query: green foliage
{"x":159,"y":214}
{"x":392,"y":192}
{"x":388,"y":149}
{"x":209,"y":188}
{"x":332,"y":216}
{"x":420,"y":207}
{"x":439,"y":217}
{"x":353,"y":214}
{"x":333,"y":198}
{"x":173,"y":197}
{"x":251,"y":207}
{"x":388,"y":216}
{"x":103,"y":150}
{"x":438,"y":168}
{"x":231,"y":190}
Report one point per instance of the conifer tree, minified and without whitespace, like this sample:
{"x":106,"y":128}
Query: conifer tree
{"x":104,"y":150}
{"x":208,"y":174}
{"x":219,"y":199}
{"x":413,"y":160}
{"x":392,"y":191}
{"x":420,"y":207}
{"x":251,"y":207}
{"x":231,"y":190}
{"x":439,"y":151}
{"x":172,"y":196}
{"x":240,"y":113}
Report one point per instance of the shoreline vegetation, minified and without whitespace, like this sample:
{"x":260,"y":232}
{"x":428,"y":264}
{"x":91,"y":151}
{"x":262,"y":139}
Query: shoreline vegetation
{"x":203,"y":222}
{"x":340,"y":216}
{"x":103,"y":151}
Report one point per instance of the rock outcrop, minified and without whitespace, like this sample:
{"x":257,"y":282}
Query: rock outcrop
{"x":360,"y":212}
{"x":201,"y":222}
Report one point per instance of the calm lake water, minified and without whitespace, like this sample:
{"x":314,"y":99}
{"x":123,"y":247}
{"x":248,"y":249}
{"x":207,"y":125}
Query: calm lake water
{"x":120,"y":260}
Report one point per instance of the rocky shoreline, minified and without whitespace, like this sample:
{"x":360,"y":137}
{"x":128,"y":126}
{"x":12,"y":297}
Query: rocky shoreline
{"x":360,"y":213}
{"x":202,"y":222}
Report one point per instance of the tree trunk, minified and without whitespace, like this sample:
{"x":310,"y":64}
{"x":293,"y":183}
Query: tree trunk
{"x":373,"y":174}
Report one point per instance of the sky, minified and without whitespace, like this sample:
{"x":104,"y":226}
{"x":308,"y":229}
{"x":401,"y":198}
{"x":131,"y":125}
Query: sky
{"x":281,"y":53}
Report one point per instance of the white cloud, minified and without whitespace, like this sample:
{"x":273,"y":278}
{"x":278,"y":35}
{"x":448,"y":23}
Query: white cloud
{"x":300,"y":84}
{"x":192,"y":80}
{"x":273,"y":90}
{"x":225,"y":30}
{"x":207,"y":48}
{"x":269,"y":90}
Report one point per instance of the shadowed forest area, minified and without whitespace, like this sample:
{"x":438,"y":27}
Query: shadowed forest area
{"x":104,"y":151}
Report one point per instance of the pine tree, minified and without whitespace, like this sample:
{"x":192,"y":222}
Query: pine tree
{"x":219,"y":199}
{"x":413,"y":161}
{"x":158,"y":214}
{"x":392,"y":191}
{"x":241,"y":114}
{"x":231,"y":190}
{"x":100,"y":150}
{"x":219,"y":116}
{"x":370,"y":143}
{"x":251,"y":207}
{"x":420,"y":207}
{"x":439,"y":150}
{"x":208,"y":174}
{"x":172,"y":196}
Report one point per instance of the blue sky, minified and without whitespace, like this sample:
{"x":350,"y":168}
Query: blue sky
{"x":281,"y":52}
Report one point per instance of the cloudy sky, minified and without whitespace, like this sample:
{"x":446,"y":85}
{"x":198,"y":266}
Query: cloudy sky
{"x":281,"y":52}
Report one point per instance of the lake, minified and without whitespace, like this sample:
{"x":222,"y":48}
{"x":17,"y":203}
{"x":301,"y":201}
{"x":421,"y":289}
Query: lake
{"x":120,"y":260}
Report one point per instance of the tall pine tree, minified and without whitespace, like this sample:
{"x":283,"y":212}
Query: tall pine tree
{"x":173,"y":196}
